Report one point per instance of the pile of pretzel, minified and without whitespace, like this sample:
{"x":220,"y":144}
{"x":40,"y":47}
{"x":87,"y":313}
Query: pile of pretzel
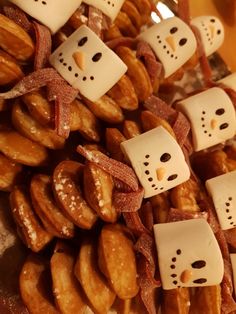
{"x":88,"y":228}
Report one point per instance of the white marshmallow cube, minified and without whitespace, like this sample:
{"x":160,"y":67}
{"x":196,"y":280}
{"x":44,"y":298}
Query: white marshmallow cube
{"x":188,"y":254}
{"x":212,"y":117}
{"x":51,"y":13}
{"x":110,"y":8}
{"x":211,"y":32}
{"x":222,"y":189}
{"x":172,"y":41}
{"x":229,"y":81}
{"x":157,"y":159}
{"x":87,"y":64}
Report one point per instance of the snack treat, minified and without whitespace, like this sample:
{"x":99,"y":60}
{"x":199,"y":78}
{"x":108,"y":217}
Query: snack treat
{"x":189,"y":260}
{"x":172,"y":41}
{"x":85,"y":62}
{"x":154,"y":156}
{"x":52,"y":14}
{"x":212,"y":117}
{"x":211,"y":31}
{"x":109,"y":8}
{"x":229,"y":81}
{"x":221,"y":189}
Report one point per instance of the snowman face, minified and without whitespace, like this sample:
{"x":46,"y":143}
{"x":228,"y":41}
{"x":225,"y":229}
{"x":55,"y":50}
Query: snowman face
{"x":157,"y":160}
{"x":211,"y":31}
{"x":173,"y":43}
{"x":52,"y":13}
{"x":188,"y":254}
{"x":223,"y":193}
{"x":229,"y":81}
{"x":212,"y":117}
{"x":110,"y":8}
{"x":88,"y":64}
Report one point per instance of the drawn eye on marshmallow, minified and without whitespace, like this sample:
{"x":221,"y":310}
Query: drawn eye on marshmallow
{"x":110,"y":8}
{"x":212,"y":117}
{"x":223,"y":193}
{"x":211,"y":31}
{"x":172,"y":41}
{"x":157,"y":160}
{"x":85,"y":62}
{"x":51,"y":13}
{"x":189,"y":260}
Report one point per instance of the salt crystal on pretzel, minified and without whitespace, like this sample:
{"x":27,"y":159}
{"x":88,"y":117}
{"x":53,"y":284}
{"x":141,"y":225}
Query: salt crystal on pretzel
{"x":53,"y":14}
{"x":212,"y":117}
{"x":173,"y":43}
{"x":188,"y":254}
{"x":109,"y":8}
{"x":223,"y":193}
{"x":157,"y":160}
{"x":211,"y":32}
{"x":87,"y":64}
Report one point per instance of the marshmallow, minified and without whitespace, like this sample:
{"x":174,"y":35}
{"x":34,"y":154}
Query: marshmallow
{"x":211,"y":32}
{"x":229,"y":81}
{"x":223,"y":192}
{"x":110,"y":8}
{"x":172,"y":41}
{"x":52,"y":13}
{"x":212,"y":117}
{"x":157,"y":160}
{"x":87,"y":64}
{"x":188,"y":254}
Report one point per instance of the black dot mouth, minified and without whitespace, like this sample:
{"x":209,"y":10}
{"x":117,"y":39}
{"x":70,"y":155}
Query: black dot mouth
{"x":160,"y":42}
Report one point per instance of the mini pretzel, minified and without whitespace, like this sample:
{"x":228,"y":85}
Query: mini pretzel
{"x":34,"y":236}
{"x":120,"y":266}
{"x":206,"y":299}
{"x":98,"y":189}
{"x":51,"y":216}
{"x":66,"y":289}
{"x":34,"y":292}
{"x":106,"y":109}
{"x":112,"y":33}
{"x":123,"y":94}
{"x":68,"y":195}
{"x":94,"y":284}
{"x":10,"y":70}
{"x":113,"y":140}
{"x":131,"y":10}
{"x":15,"y":40}
{"x":136,"y":72}
{"x":30,"y":128}
{"x":125,"y":25}
{"x":21,"y":149}
{"x":144,"y":8}
{"x":131,"y":129}
{"x":9,"y":173}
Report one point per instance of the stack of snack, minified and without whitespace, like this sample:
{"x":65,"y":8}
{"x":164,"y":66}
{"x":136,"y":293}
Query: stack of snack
{"x":125,"y":203}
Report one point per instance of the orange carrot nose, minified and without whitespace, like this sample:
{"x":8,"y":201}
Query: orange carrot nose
{"x":170,"y":40}
{"x":160,"y":172}
{"x":186,"y":276}
{"x":212,"y":30}
{"x":213,"y":124}
{"x":79,"y":58}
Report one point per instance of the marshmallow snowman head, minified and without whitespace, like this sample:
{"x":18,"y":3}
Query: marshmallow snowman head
{"x":87,"y":64}
{"x":222,"y":189}
{"x":188,"y":254}
{"x":212,"y":117}
{"x":229,"y":81}
{"x":157,"y":160}
{"x":211,"y":32}
{"x":52,"y":13}
{"x":173,"y":43}
{"x":110,"y":8}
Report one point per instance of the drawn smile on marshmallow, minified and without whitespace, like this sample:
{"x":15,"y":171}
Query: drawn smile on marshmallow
{"x":160,"y":171}
{"x":79,"y":58}
{"x":211,"y":31}
{"x":185,"y":276}
{"x":212,"y":124}
{"x":228,"y":209}
{"x":169,"y":44}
